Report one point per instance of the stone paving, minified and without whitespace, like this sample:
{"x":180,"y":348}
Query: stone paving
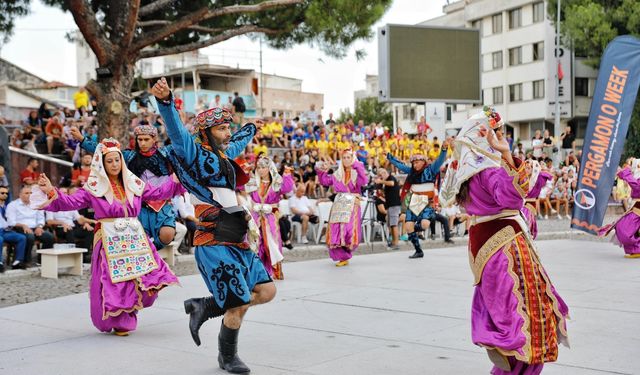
{"x":381,"y":315}
{"x":21,"y":286}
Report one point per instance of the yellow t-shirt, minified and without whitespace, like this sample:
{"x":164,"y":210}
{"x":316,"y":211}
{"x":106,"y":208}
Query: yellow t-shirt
{"x":434,"y":153}
{"x":276,"y":129}
{"x":81,"y":99}
{"x":403,"y":143}
{"x":260,"y":148}
{"x":406,"y":154}
{"x":335,"y":136}
{"x":323,"y":147}
{"x":310,"y":144}
{"x":343,"y":146}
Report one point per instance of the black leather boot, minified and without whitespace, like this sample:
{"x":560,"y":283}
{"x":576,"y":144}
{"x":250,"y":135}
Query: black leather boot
{"x":413,"y":237}
{"x":201,"y":310}
{"x":228,"y":351}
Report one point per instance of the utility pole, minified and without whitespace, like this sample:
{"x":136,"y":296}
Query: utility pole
{"x":260,"y":89}
{"x":556,"y":126}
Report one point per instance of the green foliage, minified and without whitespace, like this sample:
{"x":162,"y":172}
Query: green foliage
{"x":369,"y":110}
{"x":589,"y":25}
{"x":9,"y":10}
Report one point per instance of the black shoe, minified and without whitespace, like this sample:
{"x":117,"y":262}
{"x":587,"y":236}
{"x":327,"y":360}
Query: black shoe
{"x":432,"y":237}
{"x":417,"y":254}
{"x":1,"y":268}
{"x":421,"y":236}
{"x":19,"y":266}
{"x":449,"y":241}
{"x":201,"y":310}
{"x":228,"y":351}
{"x":289,"y":246}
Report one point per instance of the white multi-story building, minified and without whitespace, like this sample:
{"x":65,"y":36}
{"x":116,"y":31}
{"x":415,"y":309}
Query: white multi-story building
{"x":519,"y":69}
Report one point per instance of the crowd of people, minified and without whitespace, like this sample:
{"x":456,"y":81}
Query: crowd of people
{"x":303,"y":147}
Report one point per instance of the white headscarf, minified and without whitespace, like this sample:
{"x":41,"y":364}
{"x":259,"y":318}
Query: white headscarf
{"x":276,"y":179}
{"x":98,"y":183}
{"x":536,"y":168}
{"x":472,"y":154}
{"x":340,"y":172}
{"x":635,"y":168}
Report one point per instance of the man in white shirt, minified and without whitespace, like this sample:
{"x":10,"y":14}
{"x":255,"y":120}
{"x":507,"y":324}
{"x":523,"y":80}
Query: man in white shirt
{"x":185,"y":211}
{"x":66,"y":230}
{"x":28,"y":221}
{"x":215,"y":103}
{"x":303,"y":211}
{"x":18,"y":240}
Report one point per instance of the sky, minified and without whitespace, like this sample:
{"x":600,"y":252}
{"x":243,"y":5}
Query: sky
{"x":39,"y":46}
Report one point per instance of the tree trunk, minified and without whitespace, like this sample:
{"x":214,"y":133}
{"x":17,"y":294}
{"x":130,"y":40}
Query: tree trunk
{"x":113,"y":95}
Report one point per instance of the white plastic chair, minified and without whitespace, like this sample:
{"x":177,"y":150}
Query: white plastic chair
{"x":296,"y":227}
{"x":324,"y":211}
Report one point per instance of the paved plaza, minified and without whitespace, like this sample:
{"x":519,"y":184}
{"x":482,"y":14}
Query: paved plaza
{"x":384,"y":314}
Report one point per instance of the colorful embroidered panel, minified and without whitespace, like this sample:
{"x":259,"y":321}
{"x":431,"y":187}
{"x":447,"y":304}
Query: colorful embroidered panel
{"x":127,"y":249}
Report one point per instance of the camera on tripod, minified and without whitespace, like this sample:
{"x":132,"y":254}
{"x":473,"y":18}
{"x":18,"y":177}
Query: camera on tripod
{"x":370,"y":188}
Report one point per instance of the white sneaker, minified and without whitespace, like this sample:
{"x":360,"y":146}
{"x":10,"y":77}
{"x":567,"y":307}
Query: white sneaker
{"x":305,"y":240}
{"x":559,"y":217}
{"x":546,"y":217}
{"x":553,"y":211}
{"x":569,"y":217}
{"x":539,"y":217}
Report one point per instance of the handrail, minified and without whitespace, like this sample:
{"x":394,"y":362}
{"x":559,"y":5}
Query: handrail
{"x":40,"y":156}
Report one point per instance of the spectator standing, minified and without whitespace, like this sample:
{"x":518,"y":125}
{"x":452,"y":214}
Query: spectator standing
{"x":239,"y":108}
{"x":568,"y":142}
{"x":536,"y":144}
{"x":28,"y":221}
{"x":54,"y":130}
{"x":423,"y":126}
{"x":392,"y":203}
{"x":81,"y":100}
{"x":547,"y":143}
{"x":18,"y":240}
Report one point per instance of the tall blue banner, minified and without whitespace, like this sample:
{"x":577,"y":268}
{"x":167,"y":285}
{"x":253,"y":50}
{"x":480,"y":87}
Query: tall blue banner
{"x":613,"y":101}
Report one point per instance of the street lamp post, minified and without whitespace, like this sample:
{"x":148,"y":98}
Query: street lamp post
{"x":556,"y":126}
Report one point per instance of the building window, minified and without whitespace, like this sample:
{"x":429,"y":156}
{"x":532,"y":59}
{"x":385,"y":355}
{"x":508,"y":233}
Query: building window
{"x":449,"y":110}
{"x":538,"y":51}
{"x":498,"y":95}
{"x":515,"y":18}
{"x":582,"y":86}
{"x":538,"y":12}
{"x":496,"y":57}
{"x":496,"y":23}
{"x":515,"y":56}
{"x":538,"y":89}
{"x":515,"y":92}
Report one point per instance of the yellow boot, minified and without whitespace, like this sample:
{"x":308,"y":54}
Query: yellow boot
{"x":342,"y":263}
{"x":632,"y":255}
{"x":121,"y":333}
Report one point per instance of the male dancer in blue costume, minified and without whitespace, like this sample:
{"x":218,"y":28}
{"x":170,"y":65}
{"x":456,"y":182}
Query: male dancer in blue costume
{"x":150,"y":163}
{"x":420,"y":183}
{"x":233,"y":273}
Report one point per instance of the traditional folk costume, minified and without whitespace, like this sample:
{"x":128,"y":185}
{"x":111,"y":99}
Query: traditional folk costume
{"x":126,"y":271}
{"x":517,"y":315}
{"x":265,"y":196}
{"x":228,"y":266}
{"x":628,"y":225}
{"x":344,"y":229}
{"x":537,"y":180}
{"x":154,"y":168}
{"x":419,"y":189}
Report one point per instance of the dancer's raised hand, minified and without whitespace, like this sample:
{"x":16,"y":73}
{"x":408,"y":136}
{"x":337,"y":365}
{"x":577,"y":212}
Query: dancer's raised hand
{"x":161,"y":89}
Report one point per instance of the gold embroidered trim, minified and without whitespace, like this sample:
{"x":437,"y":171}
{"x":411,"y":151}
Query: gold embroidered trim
{"x":531,"y":208}
{"x":493,"y":244}
{"x":518,"y":175}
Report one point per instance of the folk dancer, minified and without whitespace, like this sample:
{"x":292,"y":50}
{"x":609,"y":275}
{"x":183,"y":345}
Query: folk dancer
{"x":232,"y":272}
{"x":419,"y":186}
{"x":126,"y":271}
{"x":344,"y":229}
{"x":517,"y":315}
